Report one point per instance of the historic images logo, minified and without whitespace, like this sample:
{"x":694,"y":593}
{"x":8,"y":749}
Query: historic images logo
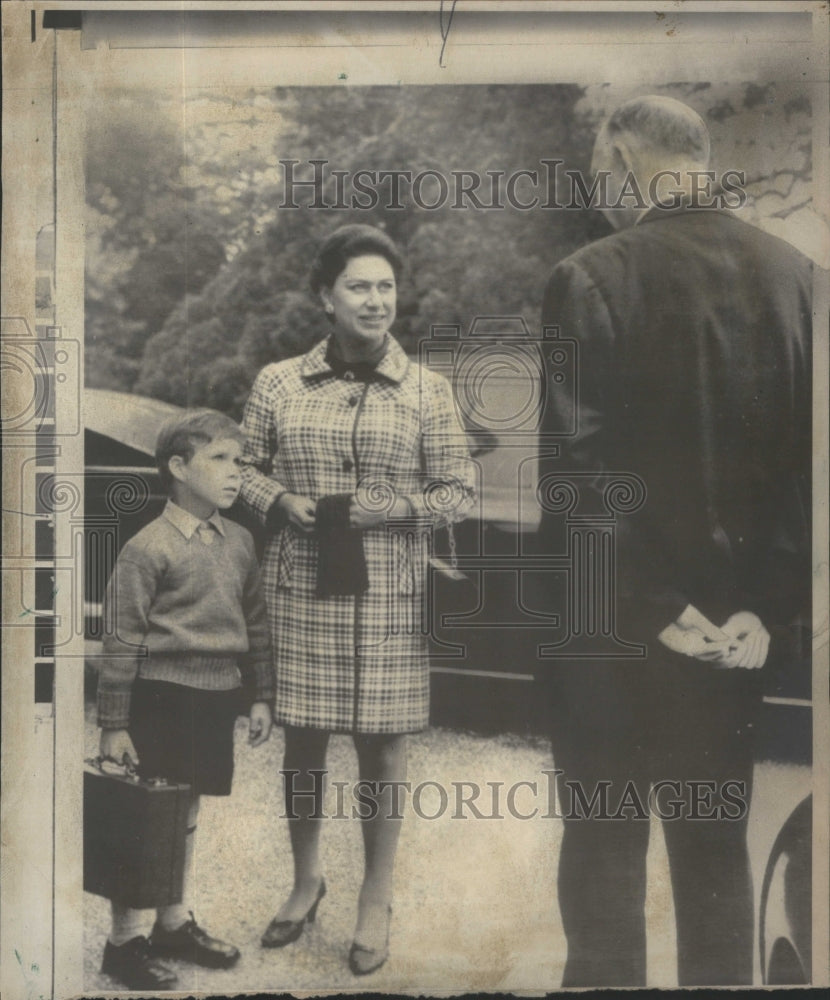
{"x":554,"y":796}
{"x":315,"y":184}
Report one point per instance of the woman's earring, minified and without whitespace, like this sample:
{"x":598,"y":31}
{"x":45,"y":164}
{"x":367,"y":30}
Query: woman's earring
{"x":329,"y":308}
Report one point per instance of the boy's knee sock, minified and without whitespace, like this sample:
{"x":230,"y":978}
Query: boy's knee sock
{"x":172,"y":917}
{"x":127,"y":924}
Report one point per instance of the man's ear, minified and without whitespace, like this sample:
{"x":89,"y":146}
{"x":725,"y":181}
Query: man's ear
{"x":177,"y":466}
{"x":623,"y":157}
{"x":613,"y":154}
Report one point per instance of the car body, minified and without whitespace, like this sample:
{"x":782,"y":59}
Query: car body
{"x":487,"y":622}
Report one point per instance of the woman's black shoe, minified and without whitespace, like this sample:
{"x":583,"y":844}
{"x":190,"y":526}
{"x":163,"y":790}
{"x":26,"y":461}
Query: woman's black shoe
{"x":133,"y":965}
{"x":364,"y":959}
{"x":282,"y":932}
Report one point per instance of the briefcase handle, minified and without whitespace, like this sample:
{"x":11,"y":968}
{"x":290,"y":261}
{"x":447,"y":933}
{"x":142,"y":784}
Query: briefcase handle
{"x":109,"y":765}
{"x":125,"y":769}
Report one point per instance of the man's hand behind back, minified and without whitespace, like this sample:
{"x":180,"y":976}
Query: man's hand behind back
{"x":741,"y":642}
{"x":753,"y":640}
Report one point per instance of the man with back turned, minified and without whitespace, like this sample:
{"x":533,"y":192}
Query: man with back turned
{"x":693,"y":373}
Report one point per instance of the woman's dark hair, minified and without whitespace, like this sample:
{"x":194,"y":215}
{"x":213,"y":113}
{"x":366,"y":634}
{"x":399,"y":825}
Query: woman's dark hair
{"x":350,"y":241}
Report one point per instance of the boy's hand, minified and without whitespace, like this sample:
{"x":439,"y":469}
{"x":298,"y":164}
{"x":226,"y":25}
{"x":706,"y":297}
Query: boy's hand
{"x":259,"y":723}
{"x":116,"y":745}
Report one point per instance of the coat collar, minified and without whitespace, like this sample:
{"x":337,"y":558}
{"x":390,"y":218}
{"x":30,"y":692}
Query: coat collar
{"x":684,"y":208}
{"x":392,"y":366}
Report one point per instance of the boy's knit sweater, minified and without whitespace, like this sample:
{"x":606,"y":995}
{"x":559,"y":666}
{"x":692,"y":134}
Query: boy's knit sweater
{"x":185,"y":610}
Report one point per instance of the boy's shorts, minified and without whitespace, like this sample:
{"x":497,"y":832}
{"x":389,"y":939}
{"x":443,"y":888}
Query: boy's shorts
{"x":185,"y":734}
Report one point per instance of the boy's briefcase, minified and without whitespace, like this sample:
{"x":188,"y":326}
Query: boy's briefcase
{"x":134,"y":837}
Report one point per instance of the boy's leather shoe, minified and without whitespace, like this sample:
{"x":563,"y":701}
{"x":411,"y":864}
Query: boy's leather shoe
{"x":133,"y":965}
{"x":190,"y":943}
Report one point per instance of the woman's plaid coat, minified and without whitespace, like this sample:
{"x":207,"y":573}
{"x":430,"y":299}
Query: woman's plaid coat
{"x":354,"y":664}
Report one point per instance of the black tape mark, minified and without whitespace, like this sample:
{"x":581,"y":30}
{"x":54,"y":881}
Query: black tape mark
{"x":445,"y":31}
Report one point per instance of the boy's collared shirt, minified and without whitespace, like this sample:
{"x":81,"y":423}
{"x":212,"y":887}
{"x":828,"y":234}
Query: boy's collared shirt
{"x":187,"y":523}
{"x":184,"y":605}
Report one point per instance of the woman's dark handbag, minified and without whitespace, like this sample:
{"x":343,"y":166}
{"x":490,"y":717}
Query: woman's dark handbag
{"x":455,"y":590}
{"x":134,"y":836}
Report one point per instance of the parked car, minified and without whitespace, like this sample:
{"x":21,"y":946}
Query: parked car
{"x":485,"y":629}
{"x":785,"y":912}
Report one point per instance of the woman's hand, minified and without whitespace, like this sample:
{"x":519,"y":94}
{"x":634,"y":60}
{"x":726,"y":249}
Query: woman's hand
{"x":259,"y":723}
{"x":361,"y":518}
{"x":116,"y":745}
{"x":300,"y":511}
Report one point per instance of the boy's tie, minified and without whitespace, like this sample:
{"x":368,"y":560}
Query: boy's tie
{"x":205,"y":532}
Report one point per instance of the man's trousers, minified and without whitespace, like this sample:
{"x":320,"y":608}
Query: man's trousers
{"x":668,"y":736}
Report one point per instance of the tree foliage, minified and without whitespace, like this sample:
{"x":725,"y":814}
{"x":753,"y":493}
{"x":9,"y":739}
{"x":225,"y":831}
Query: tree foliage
{"x":196,"y":277}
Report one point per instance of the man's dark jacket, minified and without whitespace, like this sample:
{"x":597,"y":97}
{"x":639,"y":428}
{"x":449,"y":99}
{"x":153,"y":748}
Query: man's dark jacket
{"x":694,"y":334}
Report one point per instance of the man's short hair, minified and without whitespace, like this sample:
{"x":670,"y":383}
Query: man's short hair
{"x":663,"y":125}
{"x":182,"y":435}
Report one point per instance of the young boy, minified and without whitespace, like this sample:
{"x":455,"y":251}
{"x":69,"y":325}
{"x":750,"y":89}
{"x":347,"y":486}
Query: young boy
{"x":191,"y":637}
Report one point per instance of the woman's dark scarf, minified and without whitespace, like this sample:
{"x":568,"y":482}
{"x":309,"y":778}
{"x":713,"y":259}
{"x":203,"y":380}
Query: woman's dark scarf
{"x":341,"y":561}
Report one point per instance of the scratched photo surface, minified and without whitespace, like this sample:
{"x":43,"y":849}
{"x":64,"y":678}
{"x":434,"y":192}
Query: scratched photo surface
{"x":196,"y":164}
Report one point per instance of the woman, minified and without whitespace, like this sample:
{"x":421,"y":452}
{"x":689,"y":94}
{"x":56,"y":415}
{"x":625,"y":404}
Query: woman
{"x":353,"y":453}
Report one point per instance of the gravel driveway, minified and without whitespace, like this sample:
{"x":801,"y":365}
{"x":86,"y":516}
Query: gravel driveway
{"x":475,"y":904}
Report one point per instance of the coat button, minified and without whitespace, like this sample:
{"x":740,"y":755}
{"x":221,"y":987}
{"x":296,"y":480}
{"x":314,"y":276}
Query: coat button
{"x":348,"y":376}
{"x":354,"y":400}
{"x":347,"y":465}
